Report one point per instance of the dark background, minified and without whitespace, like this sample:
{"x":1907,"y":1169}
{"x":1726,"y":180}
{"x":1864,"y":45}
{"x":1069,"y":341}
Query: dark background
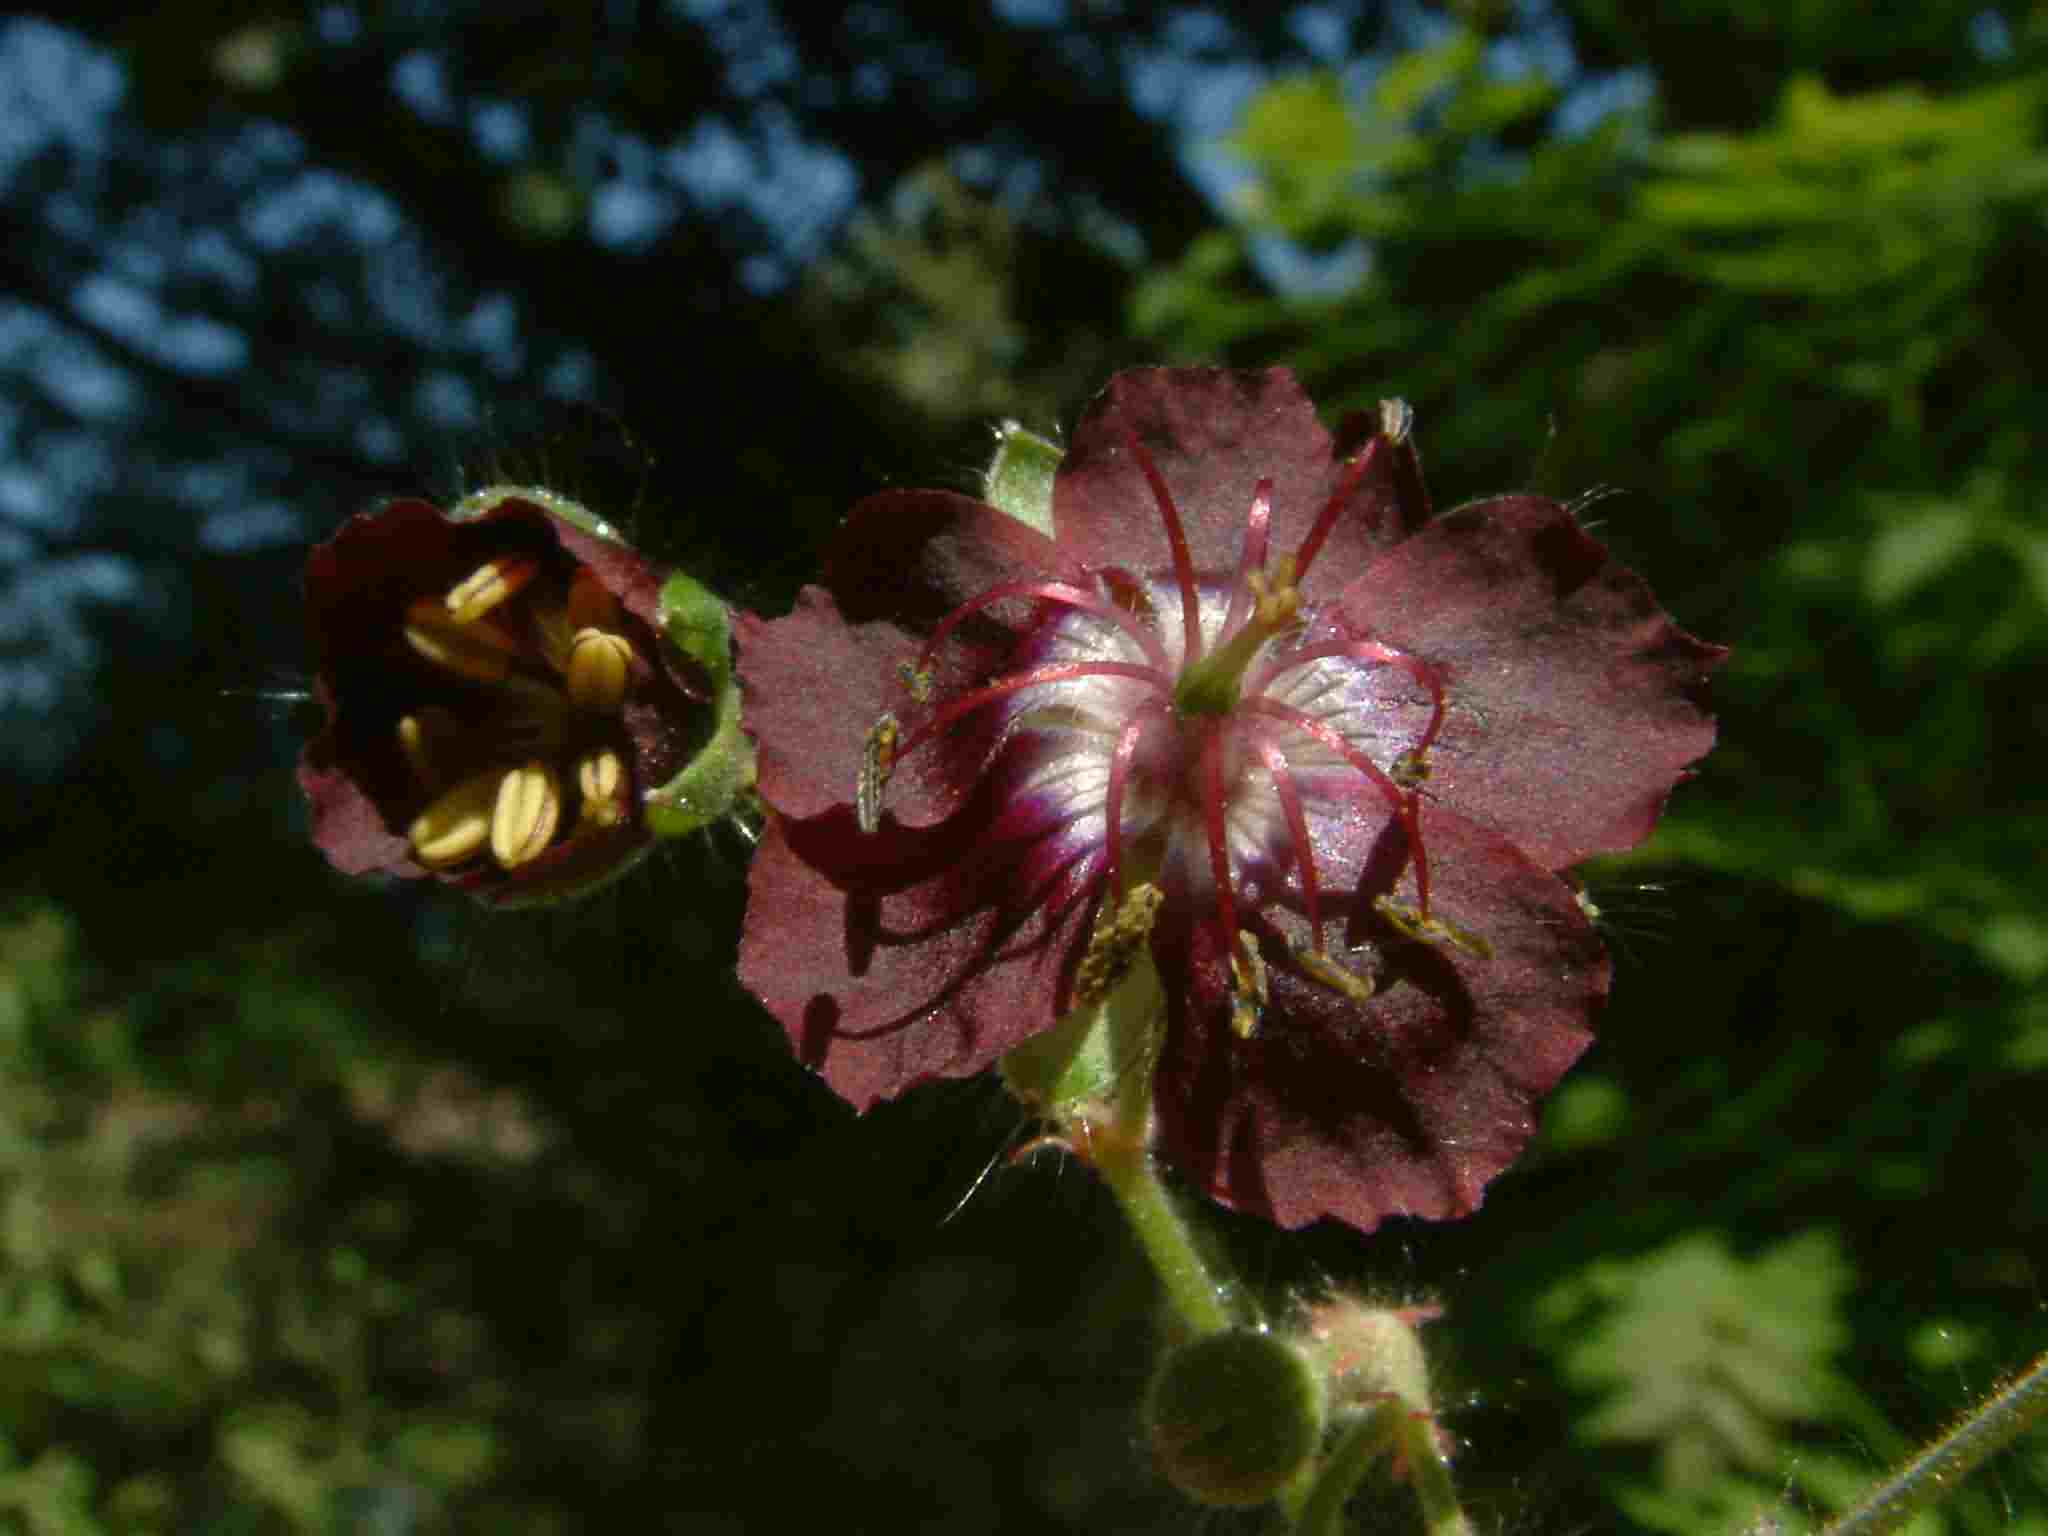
{"x":325,"y":1207}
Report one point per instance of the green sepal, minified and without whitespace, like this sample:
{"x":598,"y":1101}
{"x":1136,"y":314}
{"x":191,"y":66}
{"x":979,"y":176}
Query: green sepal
{"x":554,"y":503}
{"x":1019,"y":478}
{"x":719,"y":781}
{"x":1093,"y":1051}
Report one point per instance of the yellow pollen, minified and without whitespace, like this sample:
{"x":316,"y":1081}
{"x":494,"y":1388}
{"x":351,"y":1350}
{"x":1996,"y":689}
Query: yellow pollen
{"x":527,"y":808}
{"x":489,"y":585}
{"x":1250,"y":989}
{"x":457,"y":824}
{"x":877,"y":762}
{"x":600,"y":666}
{"x":424,"y":738}
{"x":1432,"y":929}
{"x":601,"y":780}
{"x":1409,"y":769}
{"x":1320,"y":967}
{"x":1119,"y":938}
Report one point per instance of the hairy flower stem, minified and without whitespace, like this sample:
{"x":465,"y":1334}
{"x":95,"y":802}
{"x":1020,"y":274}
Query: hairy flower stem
{"x":1202,"y":1301}
{"x":1315,"y":1505}
{"x":1934,"y":1473}
{"x":1430,"y":1476}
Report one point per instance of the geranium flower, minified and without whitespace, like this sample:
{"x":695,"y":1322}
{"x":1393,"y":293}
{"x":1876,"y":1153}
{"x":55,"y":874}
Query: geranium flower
{"x":497,"y":700}
{"x":1250,"y":708}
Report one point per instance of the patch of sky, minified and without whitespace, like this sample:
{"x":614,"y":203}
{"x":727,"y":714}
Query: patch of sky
{"x":447,"y":401}
{"x":1032,"y":13}
{"x":210,"y":253}
{"x":57,"y":93}
{"x":1991,"y":36}
{"x":572,"y":376}
{"x":337,"y":25}
{"x":501,"y":131}
{"x":491,"y":328}
{"x":379,"y":440}
{"x":1626,"y":92}
{"x":420,"y":80}
{"x":871,"y":82}
{"x":1322,"y":31}
{"x":629,"y":215}
{"x":750,"y":37}
{"x":78,"y":379}
{"x":315,"y":200}
{"x":194,"y":344}
{"x":256,"y":526}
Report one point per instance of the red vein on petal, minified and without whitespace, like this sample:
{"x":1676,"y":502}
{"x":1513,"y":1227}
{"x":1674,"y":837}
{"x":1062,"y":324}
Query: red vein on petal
{"x":1053,"y":591}
{"x":967,"y":703}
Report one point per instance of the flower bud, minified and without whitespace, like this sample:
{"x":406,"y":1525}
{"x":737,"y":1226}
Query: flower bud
{"x":1234,"y":1416}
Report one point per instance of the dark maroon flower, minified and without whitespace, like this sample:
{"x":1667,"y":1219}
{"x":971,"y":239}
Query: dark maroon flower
{"x":497,"y":700}
{"x":1248,"y":705}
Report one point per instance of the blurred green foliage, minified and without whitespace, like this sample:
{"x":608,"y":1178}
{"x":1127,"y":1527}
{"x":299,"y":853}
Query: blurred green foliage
{"x":333,"y":1209}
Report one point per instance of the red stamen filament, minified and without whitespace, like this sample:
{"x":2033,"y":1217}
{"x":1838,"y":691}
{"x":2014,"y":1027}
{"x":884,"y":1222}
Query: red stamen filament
{"x":1274,"y":709}
{"x":967,"y":703}
{"x":1361,"y":650}
{"x":1354,"y":472}
{"x":1051,"y":591}
{"x":1411,"y":817}
{"x":1297,"y":829}
{"x":1177,"y":540}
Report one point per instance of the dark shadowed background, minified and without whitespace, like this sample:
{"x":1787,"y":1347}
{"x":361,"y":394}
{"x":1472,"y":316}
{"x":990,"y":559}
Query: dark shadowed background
{"x":326,"y":1207}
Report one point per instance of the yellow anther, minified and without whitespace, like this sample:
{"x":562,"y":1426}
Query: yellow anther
{"x":916,"y":682}
{"x":1119,"y":938}
{"x":489,"y":585}
{"x":590,"y":605}
{"x":601,"y":780}
{"x":425,"y":739}
{"x":523,"y":818}
{"x":458,"y":823}
{"x":600,"y":665}
{"x":1410,"y":768}
{"x":478,"y":651}
{"x":1250,"y":991}
{"x":877,"y":762}
{"x":1318,"y":966}
{"x":1432,"y":929}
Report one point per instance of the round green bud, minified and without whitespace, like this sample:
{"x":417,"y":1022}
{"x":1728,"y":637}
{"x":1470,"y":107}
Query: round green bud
{"x":1234,"y":1416}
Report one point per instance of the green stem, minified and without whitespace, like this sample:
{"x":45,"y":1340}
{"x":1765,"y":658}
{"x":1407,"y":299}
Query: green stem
{"x":1203,"y":1303}
{"x":1317,"y":1508}
{"x":1988,"y":1429}
{"x":1121,"y":1150}
{"x":1430,"y":1476}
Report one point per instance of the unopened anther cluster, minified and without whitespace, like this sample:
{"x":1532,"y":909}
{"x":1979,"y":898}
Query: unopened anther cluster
{"x":554,"y":660}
